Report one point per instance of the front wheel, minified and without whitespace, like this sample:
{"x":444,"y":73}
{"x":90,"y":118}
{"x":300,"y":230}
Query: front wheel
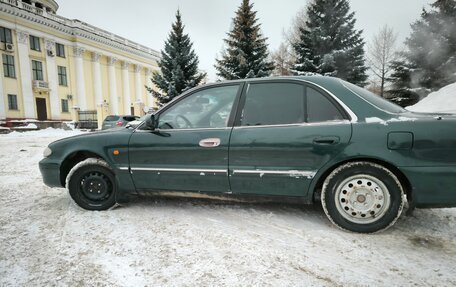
{"x":92,"y":184}
{"x":362,"y":197}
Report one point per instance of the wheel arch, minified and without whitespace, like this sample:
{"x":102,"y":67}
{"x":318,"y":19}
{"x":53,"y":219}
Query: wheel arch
{"x":72,"y":159}
{"x":406,"y":185}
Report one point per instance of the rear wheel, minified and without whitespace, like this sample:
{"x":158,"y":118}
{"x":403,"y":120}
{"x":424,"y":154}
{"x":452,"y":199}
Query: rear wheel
{"x":362,"y":197}
{"x":92,"y":184}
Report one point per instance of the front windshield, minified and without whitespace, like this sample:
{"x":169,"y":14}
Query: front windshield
{"x":373,"y":99}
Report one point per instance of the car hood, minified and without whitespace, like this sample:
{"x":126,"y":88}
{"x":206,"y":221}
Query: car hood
{"x":96,"y":135}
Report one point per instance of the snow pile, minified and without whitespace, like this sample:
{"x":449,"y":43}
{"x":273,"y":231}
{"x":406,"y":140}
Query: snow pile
{"x":29,"y":126}
{"x":24,"y":121}
{"x":441,"y":101}
{"x":46,"y":133}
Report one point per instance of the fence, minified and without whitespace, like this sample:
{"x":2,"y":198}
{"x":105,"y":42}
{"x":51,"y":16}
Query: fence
{"x":88,"y":120}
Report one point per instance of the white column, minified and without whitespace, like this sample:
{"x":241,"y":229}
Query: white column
{"x":97,"y":78}
{"x":149,"y":97}
{"x":114,"y":101}
{"x":52,"y":80}
{"x":126,"y":87}
{"x":80,"y":80}
{"x":26,"y":74}
{"x":138,"y":88}
{"x":2,"y":97}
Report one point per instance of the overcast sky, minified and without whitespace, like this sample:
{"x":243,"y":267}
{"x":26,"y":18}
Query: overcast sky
{"x":148,"y":22}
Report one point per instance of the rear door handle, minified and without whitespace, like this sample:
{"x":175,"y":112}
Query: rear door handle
{"x":326,"y":140}
{"x":210,"y":142}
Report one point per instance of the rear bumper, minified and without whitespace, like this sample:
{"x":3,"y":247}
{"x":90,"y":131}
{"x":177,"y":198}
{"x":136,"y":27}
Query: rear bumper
{"x":432,"y":186}
{"x":50,"y":173}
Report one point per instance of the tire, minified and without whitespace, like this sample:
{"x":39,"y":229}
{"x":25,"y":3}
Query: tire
{"x":92,"y":185}
{"x":362,"y":197}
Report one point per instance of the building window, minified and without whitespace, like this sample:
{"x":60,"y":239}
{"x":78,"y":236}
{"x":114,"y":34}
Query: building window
{"x":65,"y":106}
{"x":37,"y":70}
{"x":60,"y":50}
{"x":12,"y":102}
{"x":5,"y":35}
{"x":8,"y":66}
{"x":35,"y":43}
{"x":62,"y":76}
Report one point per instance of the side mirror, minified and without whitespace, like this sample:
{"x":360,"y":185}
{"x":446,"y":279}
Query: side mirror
{"x":151,"y":122}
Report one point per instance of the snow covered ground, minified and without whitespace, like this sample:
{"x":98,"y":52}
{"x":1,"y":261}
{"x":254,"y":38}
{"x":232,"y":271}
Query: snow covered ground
{"x":46,"y":240}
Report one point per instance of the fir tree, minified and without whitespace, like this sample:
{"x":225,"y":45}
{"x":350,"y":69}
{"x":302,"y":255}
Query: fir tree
{"x":429,"y":61}
{"x":246,"y":54}
{"x":329,"y":44}
{"x":178,"y":64}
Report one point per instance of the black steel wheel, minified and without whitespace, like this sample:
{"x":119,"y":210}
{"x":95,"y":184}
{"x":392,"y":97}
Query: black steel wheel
{"x":92,"y":184}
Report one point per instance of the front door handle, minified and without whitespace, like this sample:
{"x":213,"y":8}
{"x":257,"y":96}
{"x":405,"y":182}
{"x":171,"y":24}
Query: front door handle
{"x":326,"y":140}
{"x":211,"y":142}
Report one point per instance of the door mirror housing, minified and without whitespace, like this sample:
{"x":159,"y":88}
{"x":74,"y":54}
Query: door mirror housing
{"x":151,"y":122}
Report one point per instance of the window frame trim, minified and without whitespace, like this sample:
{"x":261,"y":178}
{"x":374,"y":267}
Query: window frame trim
{"x":33,"y":70}
{"x":348,"y":115}
{"x":60,"y":75}
{"x":35,"y":41}
{"x":8,"y":65}
{"x":57,"y":51}
{"x":10,"y":35}
{"x":16,"y":102}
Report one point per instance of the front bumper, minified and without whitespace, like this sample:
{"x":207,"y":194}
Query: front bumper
{"x":50,"y":173}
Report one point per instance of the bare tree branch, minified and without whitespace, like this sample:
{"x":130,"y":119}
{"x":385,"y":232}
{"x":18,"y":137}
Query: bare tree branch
{"x":382,"y":52}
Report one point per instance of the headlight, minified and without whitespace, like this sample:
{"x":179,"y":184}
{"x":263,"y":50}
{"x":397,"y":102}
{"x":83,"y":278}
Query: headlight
{"x":47,"y":152}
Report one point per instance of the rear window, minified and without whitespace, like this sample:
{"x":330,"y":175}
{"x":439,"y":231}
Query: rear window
{"x":112,"y":118}
{"x":373,"y":99}
{"x":130,"y":118}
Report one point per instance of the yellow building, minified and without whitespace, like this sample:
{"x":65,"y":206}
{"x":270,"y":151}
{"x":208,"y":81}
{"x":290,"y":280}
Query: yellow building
{"x":56,"y":68}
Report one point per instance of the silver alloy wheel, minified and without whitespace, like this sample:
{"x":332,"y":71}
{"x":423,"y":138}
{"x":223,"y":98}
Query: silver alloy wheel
{"x":362,"y":199}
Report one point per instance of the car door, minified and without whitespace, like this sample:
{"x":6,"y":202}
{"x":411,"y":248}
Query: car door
{"x":285,"y":132}
{"x":189,"y":149}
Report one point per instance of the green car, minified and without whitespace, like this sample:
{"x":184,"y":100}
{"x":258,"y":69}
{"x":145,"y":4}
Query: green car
{"x":291,"y":139}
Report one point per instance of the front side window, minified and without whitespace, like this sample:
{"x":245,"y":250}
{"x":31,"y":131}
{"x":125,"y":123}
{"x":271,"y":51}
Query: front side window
{"x":35,"y":43}
{"x":209,"y":108}
{"x":37,"y":70}
{"x":8,"y":66}
{"x":5,"y":35}
{"x":62,"y":76}
{"x":12,"y":102}
{"x":64,"y":106}
{"x":60,"y":50}
{"x":273,"y":104}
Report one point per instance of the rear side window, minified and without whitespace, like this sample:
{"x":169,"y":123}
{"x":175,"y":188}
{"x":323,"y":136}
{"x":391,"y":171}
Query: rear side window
{"x":111,"y":118}
{"x":287,"y":103}
{"x":273,"y":104}
{"x":320,"y":108}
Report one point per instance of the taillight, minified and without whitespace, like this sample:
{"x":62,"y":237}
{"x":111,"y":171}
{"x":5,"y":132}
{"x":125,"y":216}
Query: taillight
{"x":119,"y":124}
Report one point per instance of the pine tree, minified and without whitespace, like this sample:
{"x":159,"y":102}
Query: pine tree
{"x":401,"y":92}
{"x":246,"y":54}
{"x":178,"y":64}
{"x":329,"y":44}
{"x":429,"y":61}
